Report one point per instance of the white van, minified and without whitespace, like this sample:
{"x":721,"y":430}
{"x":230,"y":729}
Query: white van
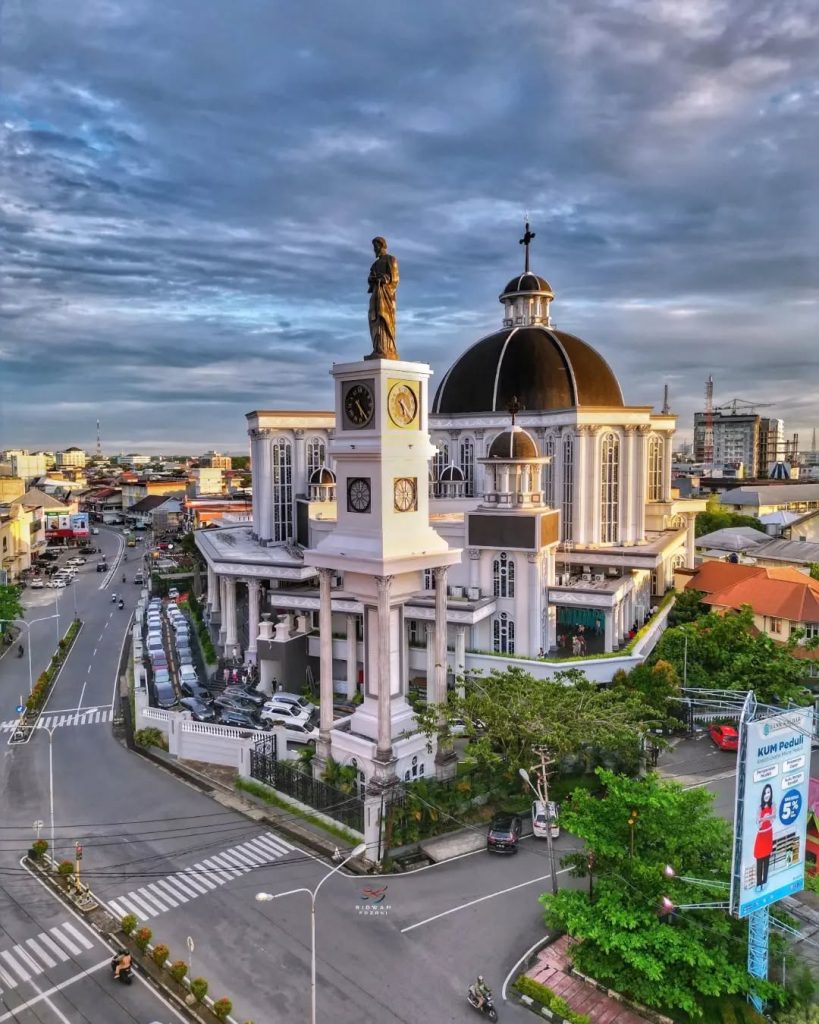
{"x":542,"y":815}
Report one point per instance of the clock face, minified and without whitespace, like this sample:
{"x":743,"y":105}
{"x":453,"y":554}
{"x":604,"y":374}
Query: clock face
{"x":359,"y":405}
{"x":358,"y":494}
{"x":402,"y":404}
{"x":405,"y":494}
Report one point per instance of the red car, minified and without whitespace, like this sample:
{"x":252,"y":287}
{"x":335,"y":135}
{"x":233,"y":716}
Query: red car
{"x":725,"y":736}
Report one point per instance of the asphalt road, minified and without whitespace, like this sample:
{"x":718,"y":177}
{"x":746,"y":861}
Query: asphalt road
{"x":699,"y":762}
{"x":192,"y":868}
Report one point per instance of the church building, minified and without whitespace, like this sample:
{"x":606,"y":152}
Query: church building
{"x":518,"y":513}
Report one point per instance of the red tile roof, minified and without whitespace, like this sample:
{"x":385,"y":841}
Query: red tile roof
{"x":780,"y":593}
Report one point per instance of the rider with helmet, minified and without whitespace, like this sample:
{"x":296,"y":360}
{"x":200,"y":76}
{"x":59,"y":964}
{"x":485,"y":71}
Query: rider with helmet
{"x":123,"y":962}
{"x":480,"y":991}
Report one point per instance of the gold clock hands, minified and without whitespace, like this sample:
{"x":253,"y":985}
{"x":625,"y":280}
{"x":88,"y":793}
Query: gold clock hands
{"x":360,"y":408}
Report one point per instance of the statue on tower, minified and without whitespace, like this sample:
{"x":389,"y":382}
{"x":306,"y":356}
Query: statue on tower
{"x":383,"y":283}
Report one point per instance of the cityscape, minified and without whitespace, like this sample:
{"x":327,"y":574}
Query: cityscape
{"x":409,"y":597}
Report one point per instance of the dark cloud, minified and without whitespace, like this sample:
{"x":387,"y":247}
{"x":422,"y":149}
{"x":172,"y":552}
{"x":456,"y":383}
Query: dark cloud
{"x":187,"y":193}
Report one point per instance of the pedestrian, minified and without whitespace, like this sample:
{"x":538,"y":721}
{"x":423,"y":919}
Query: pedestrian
{"x":226,"y":675}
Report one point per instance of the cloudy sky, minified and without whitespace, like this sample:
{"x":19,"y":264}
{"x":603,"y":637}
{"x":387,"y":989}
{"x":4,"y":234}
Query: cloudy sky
{"x":188,"y":189}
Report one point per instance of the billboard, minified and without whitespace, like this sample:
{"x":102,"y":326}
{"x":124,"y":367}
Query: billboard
{"x":64,"y":524}
{"x":772,"y":804}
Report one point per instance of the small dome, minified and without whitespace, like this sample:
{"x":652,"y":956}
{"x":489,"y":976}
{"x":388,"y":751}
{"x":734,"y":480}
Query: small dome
{"x":527,"y":282}
{"x":515,"y":444}
{"x":322,"y":477}
{"x":452,"y":475}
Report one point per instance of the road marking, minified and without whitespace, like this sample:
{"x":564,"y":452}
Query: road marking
{"x":13,"y":1014}
{"x":26,"y":958}
{"x":52,"y":945}
{"x":7,"y":979}
{"x":82,"y":691}
{"x":85,"y":716}
{"x":83,"y":941}
{"x":95,"y":653}
{"x":100,"y":637}
{"x":480,"y":899}
{"x":21,"y":972}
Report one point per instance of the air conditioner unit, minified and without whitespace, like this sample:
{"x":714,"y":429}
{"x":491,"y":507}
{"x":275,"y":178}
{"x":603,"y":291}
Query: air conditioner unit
{"x":599,"y":577}
{"x":563,"y":579}
{"x":587,"y":569}
{"x":586,"y":577}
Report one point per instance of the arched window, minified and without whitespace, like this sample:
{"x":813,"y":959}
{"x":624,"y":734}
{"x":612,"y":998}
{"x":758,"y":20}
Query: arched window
{"x":548,"y":472}
{"x":655,"y":468}
{"x":316,"y":455}
{"x":567,"y":507}
{"x":282,"y":486}
{"x":503,"y":573}
{"x":610,"y":489}
{"x":503,"y":634}
{"x":440,"y":460}
{"x":467,"y":458}
{"x":678,"y":561}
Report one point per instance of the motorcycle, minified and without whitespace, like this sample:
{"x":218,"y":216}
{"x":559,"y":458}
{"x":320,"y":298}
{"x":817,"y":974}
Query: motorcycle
{"x":125,"y":976}
{"x":121,"y":603}
{"x":488,"y":1008}
{"x":20,"y":651}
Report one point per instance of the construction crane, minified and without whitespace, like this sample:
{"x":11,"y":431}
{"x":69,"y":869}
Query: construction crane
{"x":735,"y":404}
{"x":708,"y":436}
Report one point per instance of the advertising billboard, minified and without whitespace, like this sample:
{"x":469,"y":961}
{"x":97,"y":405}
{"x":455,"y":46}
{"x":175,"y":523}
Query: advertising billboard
{"x":772,"y":804}
{"x":64,"y":524}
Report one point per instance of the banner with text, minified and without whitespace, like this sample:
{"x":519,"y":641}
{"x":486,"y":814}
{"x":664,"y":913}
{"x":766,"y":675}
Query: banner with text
{"x":64,"y":524}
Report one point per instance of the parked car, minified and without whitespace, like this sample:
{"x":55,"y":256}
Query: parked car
{"x":231,"y":716}
{"x":290,"y":703}
{"x":256,"y":699}
{"x":139,"y":578}
{"x":725,"y":736}
{"x":189,"y":673}
{"x":195,"y":690}
{"x":229,"y":703}
{"x":95,"y":530}
{"x":49,"y":556}
{"x":161,"y":675}
{"x":298,"y":733}
{"x":57,"y":583}
{"x":285,"y":713}
{"x":544,"y":817}
{"x":458,"y":727}
{"x":37,"y":584}
{"x":87,"y":549}
{"x":159,"y":662}
{"x":165,"y":695}
{"x":504,"y":833}
{"x":200,"y":711}
{"x":102,"y":567}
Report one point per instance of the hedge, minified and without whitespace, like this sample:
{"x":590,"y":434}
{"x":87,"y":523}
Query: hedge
{"x":40,"y":691}
{"x":551,"y":1000}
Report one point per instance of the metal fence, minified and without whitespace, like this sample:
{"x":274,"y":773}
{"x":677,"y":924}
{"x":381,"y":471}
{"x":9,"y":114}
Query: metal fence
{"x":346,"y":808}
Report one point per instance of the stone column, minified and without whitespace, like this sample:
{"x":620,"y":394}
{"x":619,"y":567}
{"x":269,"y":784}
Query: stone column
{"x":628,"y":487}
{"x":460,"y":658}
{"x":430,"y":653}
{"x":213,"y":590}
{"x":580,"y":531}
{"x":326,"y":662}
{"x":223,"y":609}
{"x":639,"y":475}
{"x":440,"y":575}
{"x":230,"y":615}
{"x":690,"y":541}
{"x":384,"y":748}
{"x":667,"y":459}
{"x":352,"y":657}
{"x":253,"y":594}
{"x":299,"y":463}
{"x":266,"y":666}
{"x":474,"y":567}
{"x":533,"y":600}
{"x":608,"y":634}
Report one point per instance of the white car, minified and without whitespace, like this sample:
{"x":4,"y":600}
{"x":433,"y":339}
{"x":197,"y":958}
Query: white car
{"x":57,"y":584}
{"x":282,"y":698}
{"x":298,"y":733}
{"x":272,"y":712}
{"x":37,"y":584}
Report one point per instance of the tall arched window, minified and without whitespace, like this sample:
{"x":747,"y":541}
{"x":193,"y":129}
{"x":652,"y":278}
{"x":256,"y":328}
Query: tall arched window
{"x":316,"y":455}
{"x":503,"y":574}
{"x":282,"y":486}
{"x":503,"y":634}
{"x":567,"y":506}
{"x":548,"y":472}
{"x":655,"y":468}
{"x":440,"y":460}
{"x":610,"y":489}
{"x":467,"y":458}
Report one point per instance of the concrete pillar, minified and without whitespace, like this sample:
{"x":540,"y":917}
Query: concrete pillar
{"x":230,"y":615}
{"x":639,"y":475}
{"x":352,"y":657}
{"x":690,"y":542}
{"x":608,"y":635}
{"x":460,"y":658}
{"x":581,"y":498}
{"x":299,"y":463}
{"x":384,"y":747}
{"x":629,"y":495}
{"x":430,"y":652}
{"x":213,"y":590}
{"x":440,"y":575}
{"x":667,"y":459}
{"x":474,"y":567}
{"x":533,"y":605}
{"x":326,"y":662}
{"x":253,"y":593}
{"x":223,"y":608}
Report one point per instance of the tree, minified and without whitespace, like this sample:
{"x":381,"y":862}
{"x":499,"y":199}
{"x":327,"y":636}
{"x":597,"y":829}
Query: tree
{"x":674,"y":962}
{"x":569,"y":715}
{"x":814,"y":570}
{"x":715,"y":517}
{"x":802,"y":989}
{"x":10,"y":606}
{"x":686,"y":607}
{"x":726,"y":652}
{"x":657,"y":684}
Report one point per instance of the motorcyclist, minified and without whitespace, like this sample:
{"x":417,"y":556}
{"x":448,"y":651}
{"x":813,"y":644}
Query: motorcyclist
{"x":114,"y":598}
{"x":480,"y":991}
{"x":123,"y":962}
{"x":123,"y":577}
{"x":19,"y":650}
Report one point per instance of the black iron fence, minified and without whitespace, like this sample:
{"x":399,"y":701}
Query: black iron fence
{"x":283,"y":776}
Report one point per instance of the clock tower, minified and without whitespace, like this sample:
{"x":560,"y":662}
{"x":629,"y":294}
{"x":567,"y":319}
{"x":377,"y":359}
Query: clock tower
{"x":380,"y":547}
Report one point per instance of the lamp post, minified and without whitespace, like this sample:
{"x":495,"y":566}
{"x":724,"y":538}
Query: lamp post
{"x":266,"y":897}
{"x":51,"y":789}
{"x":28,"y":626}
{"x":552,"y":866}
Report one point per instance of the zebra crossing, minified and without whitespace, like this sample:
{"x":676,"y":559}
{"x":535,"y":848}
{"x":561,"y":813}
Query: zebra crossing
{"x":201,"y":878}
{"x":85,"y":716}
{"x":44,"y":952}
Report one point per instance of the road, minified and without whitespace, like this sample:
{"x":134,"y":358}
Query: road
{"x":192,"y":868}
{"x":699,"y":762}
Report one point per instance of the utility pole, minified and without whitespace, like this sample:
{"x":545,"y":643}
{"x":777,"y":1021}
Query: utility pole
{"x":542,"y":788}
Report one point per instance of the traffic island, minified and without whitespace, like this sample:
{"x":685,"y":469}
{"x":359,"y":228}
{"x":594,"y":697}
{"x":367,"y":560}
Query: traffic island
{"x":41,"y":690}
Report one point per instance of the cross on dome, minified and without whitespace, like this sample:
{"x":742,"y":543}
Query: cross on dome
{"x":514,"y":408}
{"x":525,"y":241}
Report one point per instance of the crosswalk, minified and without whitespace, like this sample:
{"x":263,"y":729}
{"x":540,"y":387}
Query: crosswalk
{"x":202,"y":878}
{"x":44,"y":952}
{"x":86,"y":716}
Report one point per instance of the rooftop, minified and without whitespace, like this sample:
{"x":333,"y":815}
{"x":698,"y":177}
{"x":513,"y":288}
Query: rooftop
{"x":771,"y":494}
{"x":780,"y":593}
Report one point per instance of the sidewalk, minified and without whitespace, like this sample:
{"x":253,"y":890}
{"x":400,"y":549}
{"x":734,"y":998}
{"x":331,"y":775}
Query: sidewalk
{"x":551,"y":968}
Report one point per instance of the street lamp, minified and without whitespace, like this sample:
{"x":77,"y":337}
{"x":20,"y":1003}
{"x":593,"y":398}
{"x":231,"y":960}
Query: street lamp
{"x":552,"y":866}
{"x":266,"y":897}
{"x":28,"y":625}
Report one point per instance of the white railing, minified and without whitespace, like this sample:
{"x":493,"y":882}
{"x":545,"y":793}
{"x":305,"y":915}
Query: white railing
{"x":158,"y":713}
{"x":227,"y":731}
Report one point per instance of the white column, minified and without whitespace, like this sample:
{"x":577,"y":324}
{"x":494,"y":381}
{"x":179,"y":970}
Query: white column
{"x":628,"y":487}
{"x":299,"y":463}
{"x":667,"y":458}
{"x":222,"y":608}
{"x":253,"y":593}
{"x":460,"y":657}
{"x":440,"y":576}
{"x":533,"y":601}
{"x":581,"y":487}
{"x":230,"y":614}
{"x":690,"y":542}
{"x":256,"y":470}
{"x":474,"y":567}
{"x":639,"y":475}
{"x":430,"y":652}
{"x":352,"y":657}
{"x":326,"y":660}
{"x":608,"y":635}
{"x":213,"y":590}
{"x":384,"y":748}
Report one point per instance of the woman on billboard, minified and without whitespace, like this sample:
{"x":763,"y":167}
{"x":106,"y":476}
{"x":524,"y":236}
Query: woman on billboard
{"x":763,"y":844}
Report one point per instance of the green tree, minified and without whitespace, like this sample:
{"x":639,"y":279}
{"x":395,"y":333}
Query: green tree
{"x":569,"y":715}
{"x":715,"y":517}
{"x":657,"y":684}
{"x":814,"y":570}
{"x":802,"y":989}
{"x":686,"y":607}
{"x":10,"y":606}
{"x":673,"y":963}
{"x":726,"y":652}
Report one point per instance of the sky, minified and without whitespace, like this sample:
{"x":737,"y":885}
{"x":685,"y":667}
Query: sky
{"x":188,"y":189}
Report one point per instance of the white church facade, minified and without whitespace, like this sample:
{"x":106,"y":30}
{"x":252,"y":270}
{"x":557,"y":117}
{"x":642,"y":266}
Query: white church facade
{"x":518,"y":513}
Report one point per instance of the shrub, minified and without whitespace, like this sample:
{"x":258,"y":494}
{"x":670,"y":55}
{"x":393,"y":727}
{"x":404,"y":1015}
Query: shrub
{"x":128,"y":924}
{"x":551,"y":1000}
{"x":65,"y":868}
{"x":142,"y":938}
{"x":178,"y":970}
{"x":38,"y":849}
{"x":160,"y":954}
{"x":151,"y":737}
{"x":199,"y":989}
{"x":222,"y":1007}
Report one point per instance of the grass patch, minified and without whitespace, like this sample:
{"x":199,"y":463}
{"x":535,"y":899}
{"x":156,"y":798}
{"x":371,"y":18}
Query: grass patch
{"x":270,"y":797}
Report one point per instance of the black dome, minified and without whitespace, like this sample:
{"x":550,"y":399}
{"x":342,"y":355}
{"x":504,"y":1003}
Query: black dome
{"x":528,"y":282}
{"x":513,"y":444}
{"x":322,"y":477}
{"x":544,"y":368}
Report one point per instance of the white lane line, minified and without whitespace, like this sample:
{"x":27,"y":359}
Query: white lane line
{"x":230,"y":857}
{"x":204,"y":878}
{"x":279,"y":847}
{"x":65,"y":940}
{"x":144,"y":909}
{"x":220,"y":861}
{"x":179,"y":892}
{"x":27,"y":959}
{"x":52,"y":945}
{"x":151,"y":900}
{"x":7,"y":979}
{"x":188,"y":882}
{"x":95,"y":653}
{"x":268,"y":850}
{"x":216,"y":872}
{"x":253,"y":857}
{"x":99,"y":637}
{"x":13,"y":1014}
{"x":480,"y":899}
{"x":21,"y":972}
